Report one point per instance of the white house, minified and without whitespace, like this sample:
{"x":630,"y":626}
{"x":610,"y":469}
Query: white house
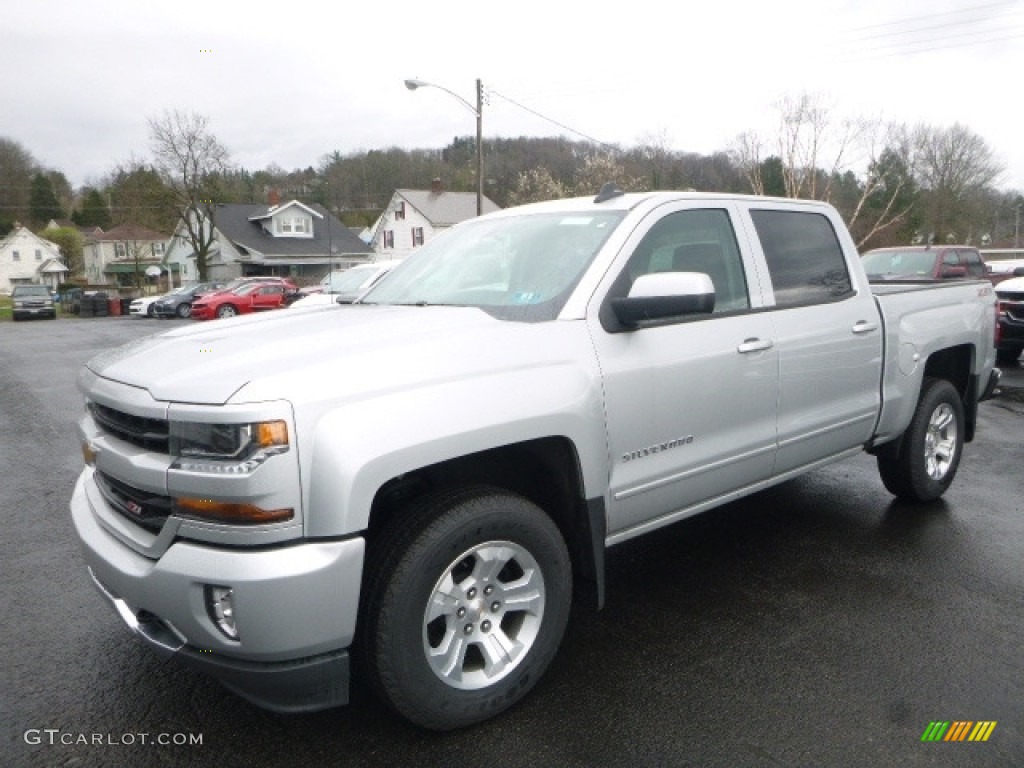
{"x":116,"y":255}
{"x":291,"y":240}
{"x":27,"y":258}
{"x":414,"y":216}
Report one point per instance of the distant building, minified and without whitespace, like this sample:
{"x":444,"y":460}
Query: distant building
{"x":290,"y":240}
{"x":119,"y":255}
{"x":27,"y":258}
{"x":414,"y":216}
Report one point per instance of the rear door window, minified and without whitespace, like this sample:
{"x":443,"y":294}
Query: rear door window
{"x":805,"y":259}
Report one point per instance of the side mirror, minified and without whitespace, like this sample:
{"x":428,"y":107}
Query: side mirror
{"x":953,"y":271}
{"x":665,"y":295}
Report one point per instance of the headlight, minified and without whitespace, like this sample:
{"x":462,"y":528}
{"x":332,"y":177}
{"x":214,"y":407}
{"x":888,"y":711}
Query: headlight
{"x":228,"y":448}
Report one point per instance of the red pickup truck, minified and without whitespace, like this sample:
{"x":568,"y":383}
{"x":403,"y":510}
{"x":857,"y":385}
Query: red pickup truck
{"x":923,"y":261}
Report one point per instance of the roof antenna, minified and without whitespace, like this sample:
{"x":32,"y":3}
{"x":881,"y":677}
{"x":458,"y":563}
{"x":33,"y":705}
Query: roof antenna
{"x":609,"y":191}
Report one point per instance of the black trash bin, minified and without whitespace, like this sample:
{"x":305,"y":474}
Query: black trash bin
{"x":86,"y":305}
{"x":100,"y":305}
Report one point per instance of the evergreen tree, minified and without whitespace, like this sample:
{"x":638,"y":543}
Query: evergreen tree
{"x":42,"y":202}
{"x":95,"y":212}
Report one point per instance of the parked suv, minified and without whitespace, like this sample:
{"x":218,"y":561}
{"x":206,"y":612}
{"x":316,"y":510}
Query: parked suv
{"x":32,"y":301}
{"x":923,"y":261}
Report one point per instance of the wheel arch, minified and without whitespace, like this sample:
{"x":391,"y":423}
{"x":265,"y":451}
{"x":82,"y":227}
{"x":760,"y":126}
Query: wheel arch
{"x":956,"y":365}
{"x":546,"y":471}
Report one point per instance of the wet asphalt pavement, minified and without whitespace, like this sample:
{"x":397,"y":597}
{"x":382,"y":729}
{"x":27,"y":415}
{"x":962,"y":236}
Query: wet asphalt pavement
{"x":815,"y":624}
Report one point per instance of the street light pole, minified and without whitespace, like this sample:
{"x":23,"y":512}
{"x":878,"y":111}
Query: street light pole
{"x":478,"y":110}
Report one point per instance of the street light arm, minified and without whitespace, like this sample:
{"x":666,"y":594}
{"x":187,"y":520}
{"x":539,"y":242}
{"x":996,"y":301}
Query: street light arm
{"x":478,"y":111}
{"x":412,"y":85}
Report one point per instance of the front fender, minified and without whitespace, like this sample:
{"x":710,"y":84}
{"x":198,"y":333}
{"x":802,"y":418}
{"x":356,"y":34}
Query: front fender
{"x":359,"y":446}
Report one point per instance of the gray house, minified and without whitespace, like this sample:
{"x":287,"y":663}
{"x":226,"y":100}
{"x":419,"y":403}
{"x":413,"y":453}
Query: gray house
{"x":292,"y":239}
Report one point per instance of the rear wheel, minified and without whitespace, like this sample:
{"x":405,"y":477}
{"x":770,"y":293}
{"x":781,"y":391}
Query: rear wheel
{"x":226,"y":310}
{"x":467,"y":605}
{"x":928,"y":458}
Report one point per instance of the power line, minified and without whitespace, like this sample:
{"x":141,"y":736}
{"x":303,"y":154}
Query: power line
{"x":551,"y":120}
{"x":931,"y":16}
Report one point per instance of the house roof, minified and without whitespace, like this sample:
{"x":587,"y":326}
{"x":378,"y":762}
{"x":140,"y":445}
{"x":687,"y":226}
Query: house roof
{"x":52,"y":266}
{"x":274,"y":209}
{"x":126,"y":233}
{"x":444,"y":208}
{"x":240,"y":223}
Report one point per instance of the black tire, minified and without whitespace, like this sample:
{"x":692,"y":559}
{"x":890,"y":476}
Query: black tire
{"x":150,"y":311}
{"x":184,"y":311}
{"x":443,"y":545}
{"x":1007,"y":356}
{"x":226,"y":310}
{"x":929,"y":456}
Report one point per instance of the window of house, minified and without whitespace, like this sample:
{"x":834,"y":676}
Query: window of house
{"x":804,"y":257}
{"x":158,"y":249}
{"x":39,"y":255}
{"x":389,"y":238}
{"x":417,"y":236}
{"x":400,"y":211}
{"x":16,"y":255}
{"x":297,"y":225}
{"x":120,"y":251}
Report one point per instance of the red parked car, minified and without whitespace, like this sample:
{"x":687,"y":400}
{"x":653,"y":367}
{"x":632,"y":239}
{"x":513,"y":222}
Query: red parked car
{"x":250,"y":297}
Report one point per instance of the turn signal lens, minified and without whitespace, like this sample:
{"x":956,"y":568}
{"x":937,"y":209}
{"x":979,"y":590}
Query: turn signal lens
{"x":230,"y":512}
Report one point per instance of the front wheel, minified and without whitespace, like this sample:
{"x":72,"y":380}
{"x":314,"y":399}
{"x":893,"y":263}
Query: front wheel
{"x":468,"y":601}
{"x":184,"y":310}
{"x":226,"y":310}
{"x":927,"y":460}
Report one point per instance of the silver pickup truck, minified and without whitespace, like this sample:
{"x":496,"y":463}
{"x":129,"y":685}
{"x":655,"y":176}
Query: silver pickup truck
{"x":413,"y":488}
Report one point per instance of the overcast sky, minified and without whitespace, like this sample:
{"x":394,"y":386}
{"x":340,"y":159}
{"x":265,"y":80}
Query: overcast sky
{"x":287,"y":84}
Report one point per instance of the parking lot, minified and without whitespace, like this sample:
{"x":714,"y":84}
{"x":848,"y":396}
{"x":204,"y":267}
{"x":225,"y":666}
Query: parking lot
{"x":817,"y":623}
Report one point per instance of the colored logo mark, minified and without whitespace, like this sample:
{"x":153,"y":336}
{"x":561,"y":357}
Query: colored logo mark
{"x":958,"y":730}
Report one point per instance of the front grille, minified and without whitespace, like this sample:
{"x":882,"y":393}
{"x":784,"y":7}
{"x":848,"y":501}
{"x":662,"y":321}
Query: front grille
{"x":147,"y":509}
{"x":151,"y":434}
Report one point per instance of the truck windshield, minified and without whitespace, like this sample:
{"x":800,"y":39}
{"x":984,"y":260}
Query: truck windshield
{"x":877,"y":263}
{"x":515,"y":268}
{"x":30,"y":290}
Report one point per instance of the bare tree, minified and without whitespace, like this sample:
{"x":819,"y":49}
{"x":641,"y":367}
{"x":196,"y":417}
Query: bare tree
{"x":192,"y":161}
{"x":954,"y":167}
{"x":745,"y":153}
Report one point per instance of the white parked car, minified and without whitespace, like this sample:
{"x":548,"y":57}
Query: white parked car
{"x":144,"y":307}
{"x":344,"y":287}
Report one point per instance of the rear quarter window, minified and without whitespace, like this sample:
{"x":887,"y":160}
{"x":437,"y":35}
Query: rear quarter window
{"x":805,"y":260}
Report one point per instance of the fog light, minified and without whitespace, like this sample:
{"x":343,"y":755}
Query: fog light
{"x":220,"y":605}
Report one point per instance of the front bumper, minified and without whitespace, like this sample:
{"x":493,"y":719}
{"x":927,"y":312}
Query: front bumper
{"x":295,"y":608}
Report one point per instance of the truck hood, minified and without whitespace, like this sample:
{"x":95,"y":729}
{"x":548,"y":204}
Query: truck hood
{"x":353,"y":348}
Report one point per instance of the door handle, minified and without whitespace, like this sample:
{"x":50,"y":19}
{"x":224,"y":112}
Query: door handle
{"x":754,"y":345}
{"x":865,"y":327}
